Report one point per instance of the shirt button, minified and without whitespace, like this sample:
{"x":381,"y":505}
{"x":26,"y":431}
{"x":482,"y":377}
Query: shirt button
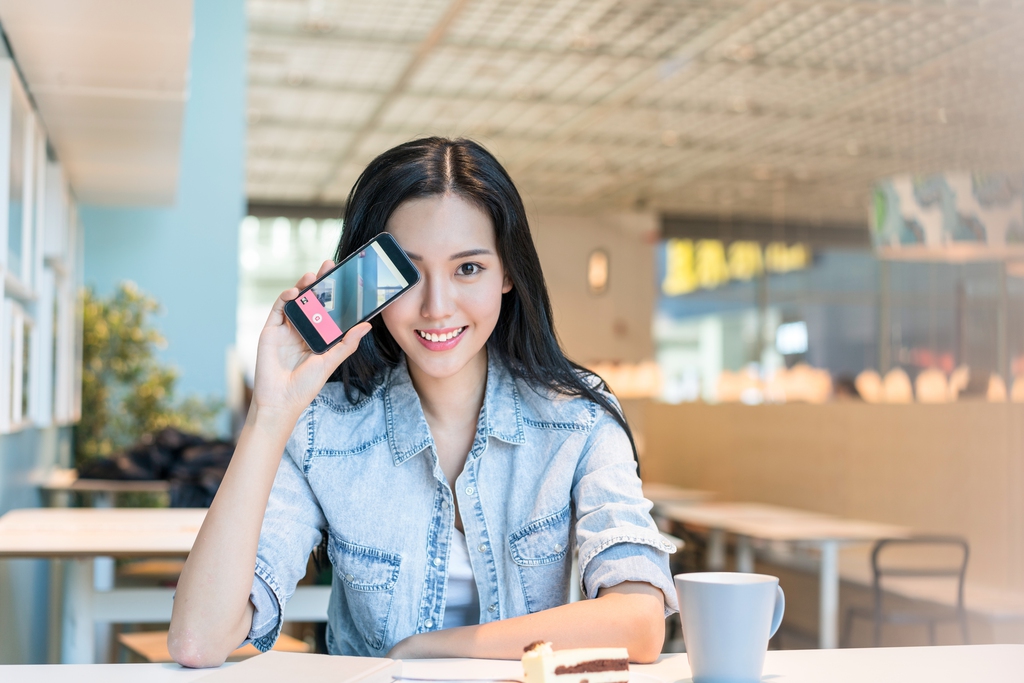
{"x":558,"y":547}
{"x":349,"y":578}
{"x":482,"y":547}
{"x":444,"y":504}
{"x":470,"y":490}
{"x":428,"y":623}
{"x":437,"y":561}
{"x":491,"y":607}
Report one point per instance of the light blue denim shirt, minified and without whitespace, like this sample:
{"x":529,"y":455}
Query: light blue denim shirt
{"x":546,"y":474}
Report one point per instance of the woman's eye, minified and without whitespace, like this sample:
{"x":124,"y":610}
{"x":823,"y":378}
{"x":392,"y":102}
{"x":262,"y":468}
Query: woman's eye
{"x":469,"y":269}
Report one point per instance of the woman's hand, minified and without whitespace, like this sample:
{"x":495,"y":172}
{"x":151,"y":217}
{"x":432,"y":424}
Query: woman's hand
{"x":630,"y":614}
{"x":405,"y":649}
{"x":426,"y":645}
{"x":288,"y":374}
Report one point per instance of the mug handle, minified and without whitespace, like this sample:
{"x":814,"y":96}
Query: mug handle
{"x":780,"y":609}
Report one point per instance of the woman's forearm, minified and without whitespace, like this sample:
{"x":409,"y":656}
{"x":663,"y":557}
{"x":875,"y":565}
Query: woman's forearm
{"x":211,"y":614}
{"x":629,"y":615}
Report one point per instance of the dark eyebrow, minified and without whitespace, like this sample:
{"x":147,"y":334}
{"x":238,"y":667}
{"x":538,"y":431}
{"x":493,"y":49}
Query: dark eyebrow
{"x":470,"y":252}
{"x":454,"y":257}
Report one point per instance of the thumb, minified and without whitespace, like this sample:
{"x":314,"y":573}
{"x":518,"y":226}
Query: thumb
{"x":337,"y":354}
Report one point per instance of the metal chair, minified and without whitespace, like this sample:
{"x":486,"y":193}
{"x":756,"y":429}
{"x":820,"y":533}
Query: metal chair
{"x":880,"y":571}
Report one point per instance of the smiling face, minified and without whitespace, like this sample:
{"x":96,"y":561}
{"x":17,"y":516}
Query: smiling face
{"x":444,"y":322}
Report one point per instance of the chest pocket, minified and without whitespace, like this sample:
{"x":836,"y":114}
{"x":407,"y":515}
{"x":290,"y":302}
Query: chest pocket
{"x":540,"y":551}
{"x":367,"y":578}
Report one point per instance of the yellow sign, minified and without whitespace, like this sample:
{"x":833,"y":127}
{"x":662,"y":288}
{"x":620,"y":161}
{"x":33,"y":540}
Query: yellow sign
{"x":707,"y":264}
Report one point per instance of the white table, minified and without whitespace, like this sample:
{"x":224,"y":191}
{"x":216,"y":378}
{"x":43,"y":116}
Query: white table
{"x":78,"y":535}
{"x":756,"y":521}
{"x":956,"y":664}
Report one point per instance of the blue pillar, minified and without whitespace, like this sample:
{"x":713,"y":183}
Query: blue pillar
{"x":186,"y":255}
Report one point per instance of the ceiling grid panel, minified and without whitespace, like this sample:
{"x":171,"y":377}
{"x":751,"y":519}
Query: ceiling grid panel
{"x":721,"y":106}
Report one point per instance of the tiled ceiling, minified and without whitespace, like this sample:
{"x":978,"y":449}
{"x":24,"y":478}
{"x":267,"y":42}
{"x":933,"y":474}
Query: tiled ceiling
{"x":784,"y":110}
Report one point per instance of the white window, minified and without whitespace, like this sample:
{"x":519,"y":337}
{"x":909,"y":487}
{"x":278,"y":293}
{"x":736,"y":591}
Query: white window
{"x":40,"y":256}
{"x":60,"y":349}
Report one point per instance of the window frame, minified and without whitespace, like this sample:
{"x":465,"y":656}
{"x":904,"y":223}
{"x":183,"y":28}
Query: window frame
{"x":44,"y":293}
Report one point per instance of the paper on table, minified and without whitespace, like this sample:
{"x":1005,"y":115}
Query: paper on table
{"x":275,"y":667}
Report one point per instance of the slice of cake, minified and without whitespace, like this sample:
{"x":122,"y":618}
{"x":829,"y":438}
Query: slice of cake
{"x":541,"y":664}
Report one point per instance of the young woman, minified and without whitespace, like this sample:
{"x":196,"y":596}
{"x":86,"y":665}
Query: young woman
{"x":448,"y":453}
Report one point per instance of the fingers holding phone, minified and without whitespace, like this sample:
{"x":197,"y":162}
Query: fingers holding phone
{"x":277,"y":312}
{"x":317,"y":324}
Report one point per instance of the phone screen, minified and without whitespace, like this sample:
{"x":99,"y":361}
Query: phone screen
{"x":359,"y":286}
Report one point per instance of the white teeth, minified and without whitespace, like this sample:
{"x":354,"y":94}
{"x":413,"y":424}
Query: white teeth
{"x":441,"y":338}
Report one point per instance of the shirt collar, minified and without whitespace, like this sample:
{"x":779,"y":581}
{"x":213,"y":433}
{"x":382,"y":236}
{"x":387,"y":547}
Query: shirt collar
{"x":408,"y":433}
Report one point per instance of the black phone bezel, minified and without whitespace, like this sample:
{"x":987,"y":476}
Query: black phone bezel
{"x":392,"y":250}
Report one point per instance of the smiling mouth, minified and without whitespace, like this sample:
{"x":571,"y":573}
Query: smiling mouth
{"x":432,"y":337}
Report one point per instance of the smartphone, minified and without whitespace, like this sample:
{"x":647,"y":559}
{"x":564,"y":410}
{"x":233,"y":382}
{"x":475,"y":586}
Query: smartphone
{"x":355,"y":290}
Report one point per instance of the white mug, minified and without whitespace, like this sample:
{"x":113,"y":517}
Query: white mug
{"x":727,"y":620}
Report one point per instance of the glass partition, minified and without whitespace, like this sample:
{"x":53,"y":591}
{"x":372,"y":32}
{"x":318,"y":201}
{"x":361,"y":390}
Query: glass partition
{"x":854,"y":312}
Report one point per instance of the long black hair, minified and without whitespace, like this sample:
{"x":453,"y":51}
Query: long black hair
{"x":524,"y":337}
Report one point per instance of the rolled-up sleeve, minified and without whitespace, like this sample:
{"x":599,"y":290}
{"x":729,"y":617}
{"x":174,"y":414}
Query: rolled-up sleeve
{"x":292,"y":527}
{"x":616,"y":537}
{"x":265,"y":617}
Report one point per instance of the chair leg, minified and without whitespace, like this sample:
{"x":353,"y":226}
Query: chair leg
{"x":962,"y":618}
{"x":877,"y":640}
{"x":931,"y":632}
{"x":847,"y":629}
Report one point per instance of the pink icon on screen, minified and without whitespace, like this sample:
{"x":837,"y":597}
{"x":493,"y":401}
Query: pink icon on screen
{"x":317,"y":314}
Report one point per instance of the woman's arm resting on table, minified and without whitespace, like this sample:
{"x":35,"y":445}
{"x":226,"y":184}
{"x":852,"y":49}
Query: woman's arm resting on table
{"x":630,"y":615}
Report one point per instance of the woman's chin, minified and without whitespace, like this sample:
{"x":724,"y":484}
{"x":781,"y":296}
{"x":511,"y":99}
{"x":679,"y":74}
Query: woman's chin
{"x":442,"y":365}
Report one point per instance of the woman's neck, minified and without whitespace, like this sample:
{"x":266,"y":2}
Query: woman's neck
{"x":455,"y":399}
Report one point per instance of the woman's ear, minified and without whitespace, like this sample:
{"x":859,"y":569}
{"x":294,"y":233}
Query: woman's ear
{"x":506,"y":285}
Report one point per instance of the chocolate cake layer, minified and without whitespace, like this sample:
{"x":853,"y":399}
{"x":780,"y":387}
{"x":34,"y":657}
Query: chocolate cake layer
{"x":594,"y":666}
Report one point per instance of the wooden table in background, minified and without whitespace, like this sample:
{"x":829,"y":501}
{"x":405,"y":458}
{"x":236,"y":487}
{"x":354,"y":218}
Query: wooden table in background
{"x":78,"y":535}
{"x":750,"y":521}
{"x":666,"y":494}
{"x":102,"y":490}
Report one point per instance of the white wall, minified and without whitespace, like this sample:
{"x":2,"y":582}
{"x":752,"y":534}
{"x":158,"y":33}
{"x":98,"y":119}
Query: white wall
{"x":615,"y":325}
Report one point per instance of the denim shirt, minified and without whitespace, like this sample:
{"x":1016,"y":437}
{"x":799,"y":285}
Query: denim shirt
{"x":546,"y":474}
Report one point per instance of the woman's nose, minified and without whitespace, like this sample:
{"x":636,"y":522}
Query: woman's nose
{"x":438,"y":299}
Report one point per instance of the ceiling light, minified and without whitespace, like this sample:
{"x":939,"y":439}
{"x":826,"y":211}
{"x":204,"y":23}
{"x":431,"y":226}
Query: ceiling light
{"x":739,"y":104}
{"x":597,"y":271}
{"x":744,"y":53}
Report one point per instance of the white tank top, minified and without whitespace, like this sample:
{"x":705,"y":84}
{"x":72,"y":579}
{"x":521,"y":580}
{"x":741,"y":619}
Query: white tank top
{"x":462,"y":607}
